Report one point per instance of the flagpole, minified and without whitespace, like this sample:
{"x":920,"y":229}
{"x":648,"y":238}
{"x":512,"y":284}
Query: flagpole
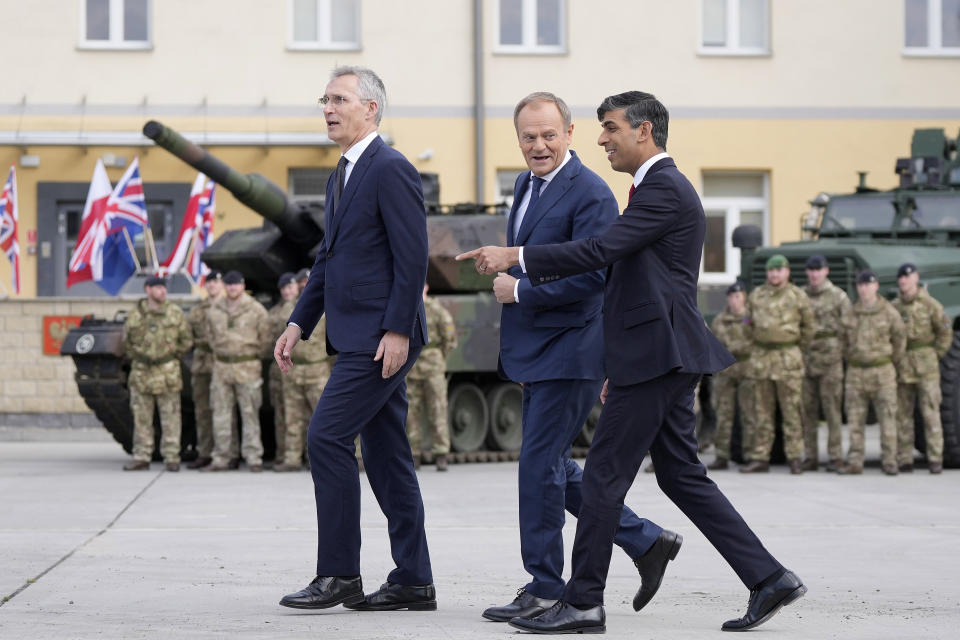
{"x":133,"y":253}
{"x":184,"y":268}
{"x":148,"y":232}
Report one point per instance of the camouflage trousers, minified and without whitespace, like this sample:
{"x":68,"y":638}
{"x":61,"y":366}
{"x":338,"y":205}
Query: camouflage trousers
{"x":142,"y":405}
{"x":879,"y":386}
{"x":277,"y":384}
{"x":299,"y":401}
{"x":930,"y":395}
{"x":203,"y":413}
{"x":428,"y":396}
{"x":827,"y":391}
{"x":248,"y":396}
{"x":729,"y":392}
{"x":766,"y":394}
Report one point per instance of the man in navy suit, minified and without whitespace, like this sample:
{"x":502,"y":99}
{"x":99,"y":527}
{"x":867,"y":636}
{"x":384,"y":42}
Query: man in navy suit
{"x":656,"y":348}
{"x":368,"y":278}
{"x":551,"y":341}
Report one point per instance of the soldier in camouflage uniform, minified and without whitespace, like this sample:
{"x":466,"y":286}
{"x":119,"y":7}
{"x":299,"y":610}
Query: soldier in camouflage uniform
{"x":730,"y":386}
{"x":928,"y":338}
{"x":876,"y":344}
{"x":201,"y":371}
{"x":427,"y":384}
{"x":237,"y":328}
{"x":782,"y":325}
{"x":276,"y":323}
{"x":155,"y":337}
{"x":823,"y":363}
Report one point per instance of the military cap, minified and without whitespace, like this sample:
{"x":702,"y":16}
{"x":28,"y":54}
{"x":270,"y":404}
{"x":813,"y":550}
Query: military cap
{"x":736,"y":287}
{"x":816,"y":261}
{"x":303,"y":274}
{"x":906,"y":269}
{"x":285,"y":279}
{"x":776,"y":261}
{"x":214,"y":275}
{"x":155,"y":281}
{"x":866,"y":276}
{"x":233,"y":277}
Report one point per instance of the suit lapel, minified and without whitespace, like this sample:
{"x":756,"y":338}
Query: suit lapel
{"x":550,"y":196}
{"x":518,"y":190}
{"x":356,"y":177}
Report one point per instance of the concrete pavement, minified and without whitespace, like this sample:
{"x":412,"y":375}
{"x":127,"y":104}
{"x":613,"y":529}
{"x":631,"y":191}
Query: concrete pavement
{"x":90,"y":551}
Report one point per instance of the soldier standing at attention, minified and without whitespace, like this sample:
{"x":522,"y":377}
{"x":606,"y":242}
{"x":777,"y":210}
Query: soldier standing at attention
{"x":823,"y":363}
{"x":201,"y":370}
{"x":276,"y":323}
{"x":427,"y":384}
{"x":237,"y":328}
{"x":302,"y":276}
{"x":730,"y":386}
{"x":928,"y":338}
{"x":155,"y":337}
{"x":782,"y":325}
{"x":875,"y":344}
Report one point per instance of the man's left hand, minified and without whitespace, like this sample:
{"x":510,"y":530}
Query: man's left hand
{"x":393,"y":350}
{"x":490,"y":260}
{"x":503,"y":287}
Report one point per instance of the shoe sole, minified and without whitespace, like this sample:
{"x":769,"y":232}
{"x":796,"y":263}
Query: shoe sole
{"x":790,"y":597}
{"x":511,"y":616}
{"x":398,"y":606}
{"x":671,"y":555}
{"x":344,"y":601}
{"x":596,"y":629}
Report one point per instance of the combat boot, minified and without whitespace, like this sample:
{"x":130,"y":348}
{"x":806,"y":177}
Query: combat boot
{"x":441,"y":462}
{"x":850,"y":470}
{"x":834,"y":464}
{"x":213,"y":466}
{"x":756,"y":467}
{"x":907,"y":467}
{"x":810,"y":465}
{"x":173,"y":467}
{"x":720,"y":464}
{"x":796,"y":467}
{"x":936,"y":467}
{"x":283,"y":467}
{"x":136,"y":465}
{"x":199,"y":463}
{"x":890,"y":469}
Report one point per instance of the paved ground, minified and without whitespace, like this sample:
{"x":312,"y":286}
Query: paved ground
{"x":89,"y":551}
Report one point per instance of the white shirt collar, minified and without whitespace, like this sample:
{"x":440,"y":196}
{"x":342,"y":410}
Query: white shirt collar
{"x":353,"y":153}
{"x":642,"y":171}
{"x":550,"y":176}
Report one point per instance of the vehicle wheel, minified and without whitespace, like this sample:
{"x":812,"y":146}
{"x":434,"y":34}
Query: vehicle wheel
{"x":505,"y":402}
{"x":585,"y":437}
{"x":950,"y":405}
{"x":469,"y":417}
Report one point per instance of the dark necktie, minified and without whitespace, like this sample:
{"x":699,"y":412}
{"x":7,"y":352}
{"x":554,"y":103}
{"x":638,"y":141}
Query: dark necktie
{"x":633,"y":189}
{"x":534,"y":194}
{"x":340,"y":177}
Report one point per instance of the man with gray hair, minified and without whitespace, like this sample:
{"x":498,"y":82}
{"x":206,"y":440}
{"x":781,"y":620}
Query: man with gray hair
{"x":551,"y":341}
{"x":367,"y":278}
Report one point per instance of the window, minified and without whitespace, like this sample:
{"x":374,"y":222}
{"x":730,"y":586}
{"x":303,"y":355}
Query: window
{"x":506,"y":180}
{"x":530,"y":26}
{"x":931,"y":28}
{"x":115,"y":24}
{"x":729,"y":200}
{"x":324,"y":24}
{"x":735,"y":27}
{"x":309,"y":184}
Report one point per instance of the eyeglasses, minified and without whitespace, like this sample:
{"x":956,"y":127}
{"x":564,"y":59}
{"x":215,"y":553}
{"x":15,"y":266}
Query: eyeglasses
{"x":337,"y":100}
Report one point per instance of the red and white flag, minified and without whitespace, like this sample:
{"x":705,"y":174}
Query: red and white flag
{"x":9,"y":241}
{"x":80,"y":268}
{"x":197,"y":223}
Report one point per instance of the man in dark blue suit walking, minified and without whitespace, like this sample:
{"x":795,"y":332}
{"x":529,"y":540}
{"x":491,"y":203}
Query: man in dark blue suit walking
{"x":368,"y":278}
{"x":656,"y":348}
{"x":551,"y":341}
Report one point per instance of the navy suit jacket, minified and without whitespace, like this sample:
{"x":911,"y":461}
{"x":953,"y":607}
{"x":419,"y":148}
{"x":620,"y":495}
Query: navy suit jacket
{"x":369,"y":273}
{"x":651,"y":321}
{"x":555,"y":331}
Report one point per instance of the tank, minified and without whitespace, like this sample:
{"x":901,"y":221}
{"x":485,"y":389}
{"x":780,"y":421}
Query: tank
{"x":918,"y":222}
{"x":484,"y":411}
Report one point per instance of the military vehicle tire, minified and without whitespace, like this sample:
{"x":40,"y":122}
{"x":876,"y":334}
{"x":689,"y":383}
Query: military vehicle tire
{"x":505,"y":404}
{"x":950,"y":405}
{"x":469,"y":417}
{"x":585,"y":437}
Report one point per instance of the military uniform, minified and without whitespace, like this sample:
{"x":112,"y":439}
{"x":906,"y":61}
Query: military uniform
{"x":276,"y":324}
{"x":929,"y":336}
{"x":427,"y":382}
{"x":155,"y":340}
{"x":731,"y":387}
{"x":875,"y":351}
{"x":237,"y":337}
{"x":301,"y":391}
{"x":823,"y":366}
{"x":782,"y":325}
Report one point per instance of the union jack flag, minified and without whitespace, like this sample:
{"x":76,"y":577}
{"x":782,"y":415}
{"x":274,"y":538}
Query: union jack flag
{"x":8,"y":227}
{"x":196,"y":231}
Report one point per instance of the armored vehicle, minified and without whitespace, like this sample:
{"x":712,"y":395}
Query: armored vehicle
{"x":484,"y":410}
{"x":918,"y":222}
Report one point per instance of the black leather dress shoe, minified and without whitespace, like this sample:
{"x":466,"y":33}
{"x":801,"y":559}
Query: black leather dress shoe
{"x":325,"y":592}
{"x":765,"y":602}
{"x":525,"y":605}
{"x":564,"y":618}
{"x":653,"y":564}
{"x":392,"y":596}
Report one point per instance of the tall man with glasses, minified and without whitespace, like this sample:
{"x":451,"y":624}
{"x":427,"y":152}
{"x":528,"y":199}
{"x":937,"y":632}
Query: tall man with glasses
{"x":367,"y":278}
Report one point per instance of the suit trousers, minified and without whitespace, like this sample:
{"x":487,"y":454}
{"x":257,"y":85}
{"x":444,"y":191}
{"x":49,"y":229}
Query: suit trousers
{"x":358,"y":400}
{"x":549,"y":481}
{"x":656,"y":416}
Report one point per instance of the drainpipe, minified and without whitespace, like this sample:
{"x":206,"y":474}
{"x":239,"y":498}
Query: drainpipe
{"x":478,"y":110}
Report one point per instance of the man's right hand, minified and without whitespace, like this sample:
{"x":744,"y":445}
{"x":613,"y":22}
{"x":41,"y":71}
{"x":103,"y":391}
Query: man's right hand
{"x":603,"y":392}
{"x":285,"y":344}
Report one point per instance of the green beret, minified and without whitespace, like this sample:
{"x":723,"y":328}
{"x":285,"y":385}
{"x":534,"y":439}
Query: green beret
{"x":776,"y":261}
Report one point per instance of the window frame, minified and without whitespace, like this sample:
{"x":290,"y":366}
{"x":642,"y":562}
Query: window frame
{"x":934,"y":47}
{"x":731,"y":29}
{"x":324,"y":28}
{"x":732,"y":207}
{"x":115,"y":42}
{"x":528,"y":30}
